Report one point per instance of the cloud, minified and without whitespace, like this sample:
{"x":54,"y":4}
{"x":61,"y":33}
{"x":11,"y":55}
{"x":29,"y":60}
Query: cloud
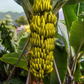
{"x":10,"y":5}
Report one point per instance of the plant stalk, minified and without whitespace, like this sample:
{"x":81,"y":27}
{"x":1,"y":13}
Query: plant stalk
{"x":75,"y":62}
{"x":57,"y":72}
{"x":80,"y":56}
{"x":78,"y":9}
{"x":18,"y":60}
{"x":27,"y":82}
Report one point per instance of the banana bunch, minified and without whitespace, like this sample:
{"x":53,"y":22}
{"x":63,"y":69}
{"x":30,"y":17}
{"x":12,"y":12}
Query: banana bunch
{"x":42,"y":39}
{"x":41,"y":6}
{"x":41,"y":62}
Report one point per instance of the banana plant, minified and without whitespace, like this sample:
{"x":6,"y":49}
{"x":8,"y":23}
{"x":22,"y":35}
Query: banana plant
{"x":69,"y":45}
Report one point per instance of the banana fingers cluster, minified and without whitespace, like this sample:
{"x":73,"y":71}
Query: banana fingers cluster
{"x":42,"y":38}
{"x":41,"y":6}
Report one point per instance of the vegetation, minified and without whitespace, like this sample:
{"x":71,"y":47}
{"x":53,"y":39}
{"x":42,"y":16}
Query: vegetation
{"x":14,"y":15}
{"x":69,"y":45}
{"x":9,"y":43}
{"x":22,"y":20}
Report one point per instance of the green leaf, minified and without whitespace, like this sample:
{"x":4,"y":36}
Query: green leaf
{"x":81,"y":9}
{"x":58,"y":5}
{"x":77,"y":35}
{"x":27,"y":8}
{"x":69,"y":15}
{"x":77,"y":74}
{"x":23,"y":42}
{"x":82,"y":63}
{"x":32,"y":2}
{"x":59,"y":43}
{"x":74,"y":1}
{"x":14,"y":81}
{"x":64,"y":32}
{"x":60,"y":56}
{"x":46,"y":80}
{"x":12,"y":58}
{"x":12,"y":29}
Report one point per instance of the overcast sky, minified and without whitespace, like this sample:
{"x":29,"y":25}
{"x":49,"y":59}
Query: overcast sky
{"x":10,"y":5}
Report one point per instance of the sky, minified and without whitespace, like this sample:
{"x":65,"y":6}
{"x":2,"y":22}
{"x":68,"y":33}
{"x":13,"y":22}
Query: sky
{"x":10,"y":5}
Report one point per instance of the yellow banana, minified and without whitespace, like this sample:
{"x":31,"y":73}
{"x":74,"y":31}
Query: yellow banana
{"x":50,"y":70}
{"x":47,"y":67}
{"x":43,"y":61}
{"x":42,"y":38}
{"x":37,"y":66}
{"x":49,"y":18}
{"x":47,"y":51}
{"x":38,"y":54}
{"x":48,"y":6}
{"x":36,"y":8}
{"x":44,"y":66}
{"x":40,"y":75}
{"x":44,"y":33}
{"x":35,"y":61}
{"x":40,"y":50}
{"x":41,"y":8}
{"x":35,"y":49}
{"x":47,"y":34}
{"x":43,"y":20}
{"x":37,"y":42}
{"x":51,"y":63}
{"x":35,"y":74}
{"x":44,"y":51}
{"x":43,"y":5}
{"x":52,"y":58}
{"x":41,"y":55}
{"x":45,"y":15}
{"x":39,"y":30}
{"x":44,"y":56}
{"x":42,"y":25}
{"x":42,"y":46}
{"x":41,"y":42}
{"x":42,"y":72}
{"x":38,"y":20}
{"x":40,"y":66}
{"x":40,"y":60}
{"x":32,"y":53}
{"x":35,"y":54}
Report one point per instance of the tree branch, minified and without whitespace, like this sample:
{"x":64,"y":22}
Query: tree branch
{"x":18,"y":60}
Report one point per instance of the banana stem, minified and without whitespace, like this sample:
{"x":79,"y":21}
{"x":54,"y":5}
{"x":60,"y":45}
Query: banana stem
{"x":57,"y":72}
{"x":28,"y":77}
